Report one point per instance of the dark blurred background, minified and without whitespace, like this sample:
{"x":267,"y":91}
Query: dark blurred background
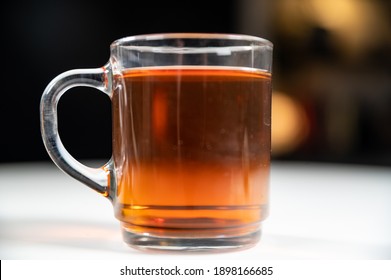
{"x":332,"y":70}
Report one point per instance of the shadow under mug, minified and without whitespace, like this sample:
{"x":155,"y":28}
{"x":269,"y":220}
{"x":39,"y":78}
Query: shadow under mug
{"x":191,"y":138}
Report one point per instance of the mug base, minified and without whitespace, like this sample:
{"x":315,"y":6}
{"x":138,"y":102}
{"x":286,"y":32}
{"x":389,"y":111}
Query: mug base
{"x":214,"y":241}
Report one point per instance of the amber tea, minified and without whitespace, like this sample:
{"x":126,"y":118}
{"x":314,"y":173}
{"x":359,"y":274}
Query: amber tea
{"x":191,"y":148}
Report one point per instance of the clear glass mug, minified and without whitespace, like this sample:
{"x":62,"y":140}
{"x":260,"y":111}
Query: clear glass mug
{"x":191,"y":138}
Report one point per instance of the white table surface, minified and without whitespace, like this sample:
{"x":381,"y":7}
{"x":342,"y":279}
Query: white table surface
{"x":318,"y":211}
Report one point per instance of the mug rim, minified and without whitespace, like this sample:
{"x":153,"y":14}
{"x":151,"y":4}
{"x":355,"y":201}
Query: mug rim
{"x":163,"y":36}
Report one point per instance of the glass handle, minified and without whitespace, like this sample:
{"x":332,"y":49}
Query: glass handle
{"x":100,"y":78}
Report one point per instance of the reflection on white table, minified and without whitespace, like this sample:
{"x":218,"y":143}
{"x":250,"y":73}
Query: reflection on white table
{"x":318,"y":211}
